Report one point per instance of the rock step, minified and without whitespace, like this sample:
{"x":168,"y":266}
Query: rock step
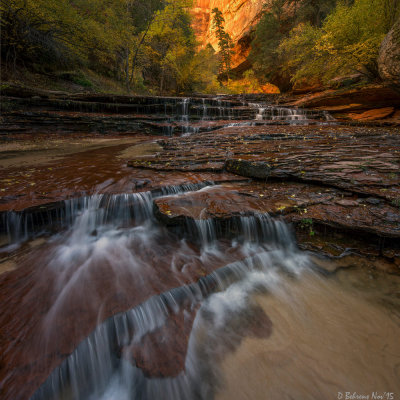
{"x":359,"y":160}
{"x":303,"y":205}
{"x":313,"y":210}
{"x":171,"y":108}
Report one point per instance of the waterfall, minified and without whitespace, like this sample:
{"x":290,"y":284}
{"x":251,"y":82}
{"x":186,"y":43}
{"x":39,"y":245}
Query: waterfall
{"x":190,"y":115}
{"x":292,"y":116}
{"x":102,"y":367}
{"x":204,"y":117}
{"x":119,"y":233}
{"x":260,"y":114}
{"x":185,"y":110}
{"x":18,"y":227}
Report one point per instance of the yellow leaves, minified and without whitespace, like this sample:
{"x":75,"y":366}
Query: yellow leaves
{"x":348,"y":40}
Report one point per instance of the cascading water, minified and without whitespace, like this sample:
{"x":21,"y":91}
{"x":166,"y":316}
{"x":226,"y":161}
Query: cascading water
{"x":139,"y":311}
{"x":292,"y":116}
{"x":260,"y":114}
{"x":193,"y":115}
{"x":117,"y":235}
{"x":18,"y":227}
{"x":185,"y":110}
{"x":102,"y":366}
{"x":204,"y":117}
{"x":185,"y":116}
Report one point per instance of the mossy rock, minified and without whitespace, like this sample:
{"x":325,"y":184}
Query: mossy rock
{"x":249,"y":169}
{"x":76,"y":77}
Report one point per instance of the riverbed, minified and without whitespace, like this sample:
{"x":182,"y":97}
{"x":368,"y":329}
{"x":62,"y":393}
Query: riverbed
{"x":142,"y":266}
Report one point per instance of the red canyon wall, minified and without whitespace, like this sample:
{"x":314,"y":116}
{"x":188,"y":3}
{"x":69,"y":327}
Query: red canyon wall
{"x":240,"y":16}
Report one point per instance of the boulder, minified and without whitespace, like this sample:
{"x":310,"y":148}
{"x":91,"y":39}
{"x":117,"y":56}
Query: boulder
{"x":369,"y":97}
{"x":345,"y":81}
{"x":389,"y":57}
{"x":372,"y":115}
{"x":249,"y":169}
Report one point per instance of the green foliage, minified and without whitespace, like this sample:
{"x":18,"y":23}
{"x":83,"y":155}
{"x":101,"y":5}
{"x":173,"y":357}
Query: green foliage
{"x":76,"y":77}
{"x":308,"y":224}
{"x":142,"y":43}
{"x":298,"y":57}
{"x":319,"y":40}
{"x":225,"y":43}
{"x":169,"y":54}
{"x":351,"y":36}
{"x":202,"y":71}
{"x":348,"y":42}
{"x":396,"y":202}
{"x":279,"y":17}
{"x":264,"y":56}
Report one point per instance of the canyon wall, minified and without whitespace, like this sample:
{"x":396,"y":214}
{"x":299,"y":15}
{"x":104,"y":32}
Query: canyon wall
{"x":389,"y":57}
{"x":240,"y":16}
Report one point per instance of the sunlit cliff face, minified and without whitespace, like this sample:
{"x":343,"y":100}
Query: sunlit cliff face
{"x":240,"y":16}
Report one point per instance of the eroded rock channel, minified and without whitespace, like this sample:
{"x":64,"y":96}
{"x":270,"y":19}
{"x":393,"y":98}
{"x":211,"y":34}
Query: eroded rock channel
{"x":196,"y":248}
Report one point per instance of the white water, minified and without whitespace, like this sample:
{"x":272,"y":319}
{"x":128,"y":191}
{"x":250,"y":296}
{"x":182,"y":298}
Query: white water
{"x":102,"y":232}
{"x":189,"y":111}
{"x":116,"y":240}
{"x":293,"y":116}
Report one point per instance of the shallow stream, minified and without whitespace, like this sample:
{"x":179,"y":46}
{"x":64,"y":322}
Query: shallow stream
{"x":116,"y":307}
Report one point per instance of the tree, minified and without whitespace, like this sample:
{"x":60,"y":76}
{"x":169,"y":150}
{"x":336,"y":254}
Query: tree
{"x":137,"y":42}
{"x":225,"y":43}
{"x":170,"y":47}
{"x":143,"y":14}
{"x":313,"y":12}
{"x":352,"y":36}
{"x":58,"y":33}
{"x":348,"y":42}
{"x":298,"y":57}
{"x":274,"y":24}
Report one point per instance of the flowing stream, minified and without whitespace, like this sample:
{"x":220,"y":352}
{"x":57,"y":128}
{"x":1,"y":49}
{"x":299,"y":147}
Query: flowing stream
{"x":206,"y":310}
{"x":107,"y":303}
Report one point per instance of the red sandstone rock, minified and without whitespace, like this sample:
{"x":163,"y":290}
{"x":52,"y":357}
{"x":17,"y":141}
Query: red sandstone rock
{"x":162,"y":353}
{"x":370,"y":97}
{"x":240,"y":17}
{"x":373,"y":115}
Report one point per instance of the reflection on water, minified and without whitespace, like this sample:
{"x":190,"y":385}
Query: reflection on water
{"x":125,"y":309}
{"x":328,"y":337}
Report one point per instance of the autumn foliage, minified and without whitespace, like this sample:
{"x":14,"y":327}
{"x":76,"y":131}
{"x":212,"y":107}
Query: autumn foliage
{"x":147,"y":45}
{"x":313,"y":42}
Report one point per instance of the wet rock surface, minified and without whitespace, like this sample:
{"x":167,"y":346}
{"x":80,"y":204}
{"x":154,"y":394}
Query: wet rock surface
{"x":155,"y":358}
{"x":340,"y":177}
{"x":368,"y":104}
{"x":250,"y":169}
{"x":339,"y":187}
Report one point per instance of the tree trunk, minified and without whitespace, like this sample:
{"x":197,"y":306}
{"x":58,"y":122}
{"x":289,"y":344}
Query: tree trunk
{"x":135,"y":56}
{"x":127,"y":82}
{"x":162,"y":81}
